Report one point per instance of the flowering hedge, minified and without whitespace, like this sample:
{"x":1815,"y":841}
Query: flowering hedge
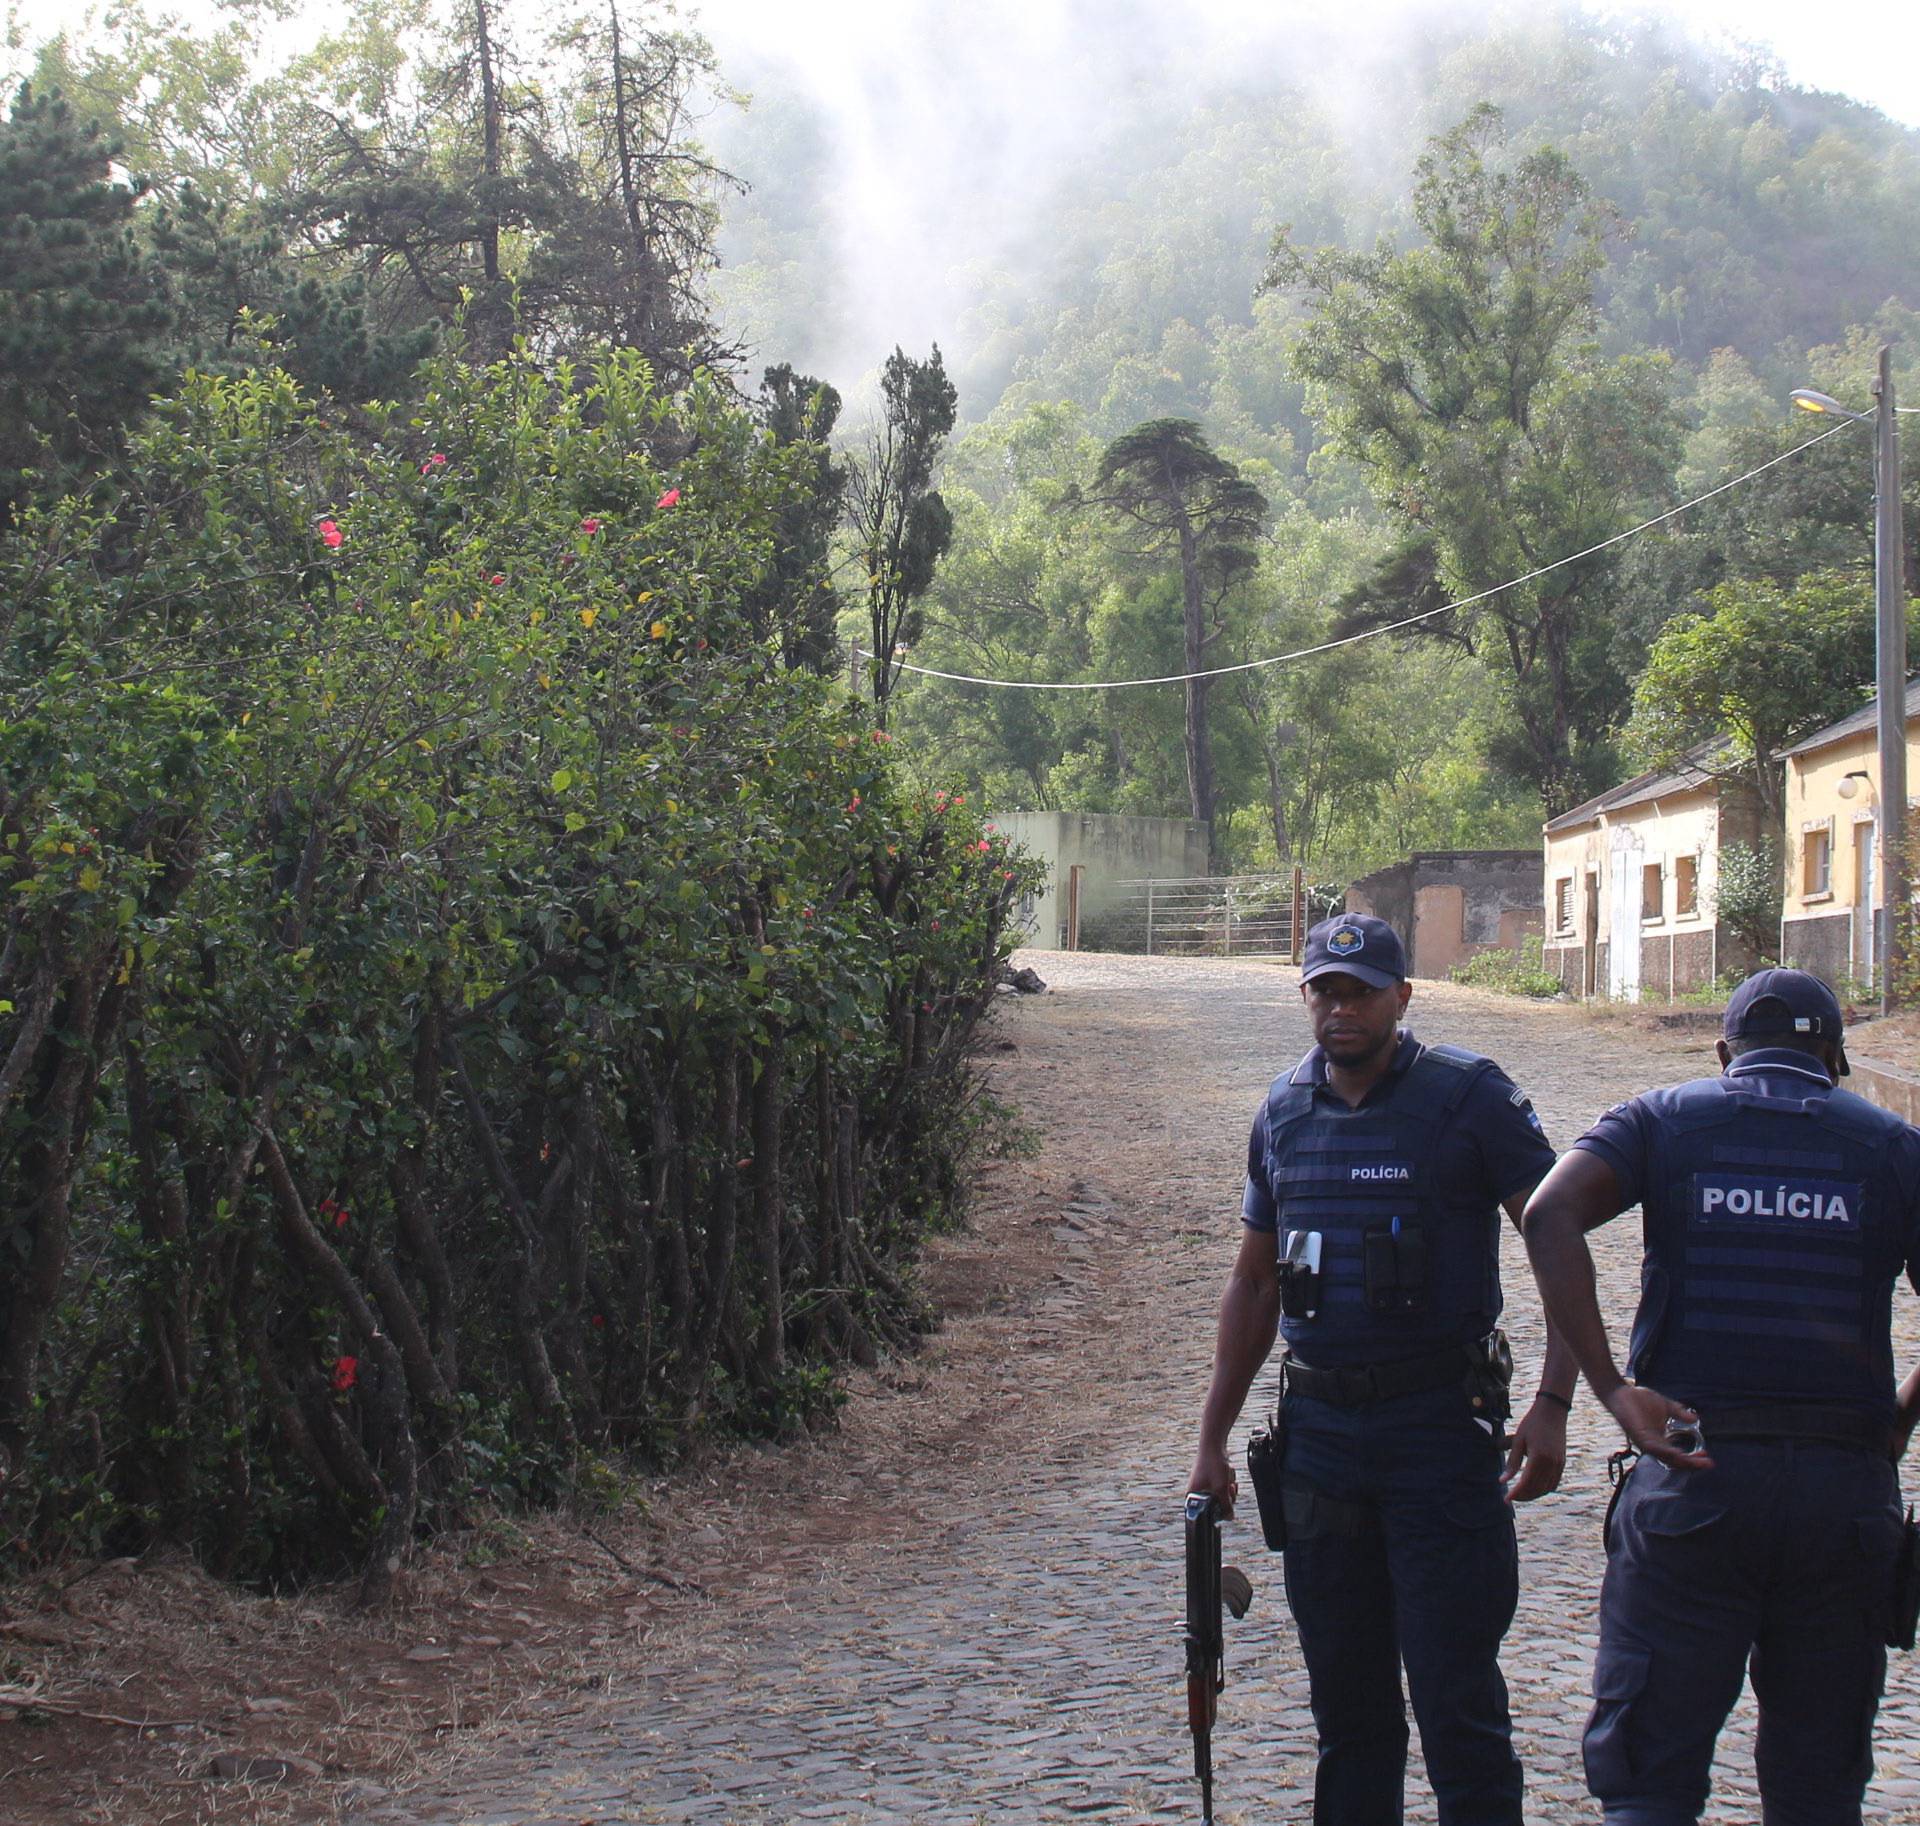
{"x":465,"y":1005}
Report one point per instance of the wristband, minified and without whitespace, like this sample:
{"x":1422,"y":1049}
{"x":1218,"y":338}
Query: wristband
{"x":1558,"y":1400}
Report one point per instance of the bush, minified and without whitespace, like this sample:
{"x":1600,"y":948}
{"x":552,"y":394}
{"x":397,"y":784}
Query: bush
{"x":1747,"y":898}
{"x":1520,"y":971}
{"x":467,"y":1006}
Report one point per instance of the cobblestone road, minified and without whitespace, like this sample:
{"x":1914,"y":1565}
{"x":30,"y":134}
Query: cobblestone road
{"x":1002,"y":1646}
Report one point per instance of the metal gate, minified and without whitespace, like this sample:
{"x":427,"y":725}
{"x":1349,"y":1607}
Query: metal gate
{"x":1201,"y":916}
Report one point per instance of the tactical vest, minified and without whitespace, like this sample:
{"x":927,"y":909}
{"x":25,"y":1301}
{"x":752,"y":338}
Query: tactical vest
{"x":1350,"y":1174}
{"x":1775,"y":1227}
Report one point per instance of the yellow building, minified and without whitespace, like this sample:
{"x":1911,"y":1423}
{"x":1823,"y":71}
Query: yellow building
{"x":1832,"y":920}
{"x":1630,"y":884}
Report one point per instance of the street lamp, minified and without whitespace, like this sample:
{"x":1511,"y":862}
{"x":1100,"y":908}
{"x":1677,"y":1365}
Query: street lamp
{"x":1890,"y":649}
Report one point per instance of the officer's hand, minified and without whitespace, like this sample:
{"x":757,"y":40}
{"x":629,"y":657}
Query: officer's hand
{"x":1213,"y":1475}
{"x":1538,"y":1453}
{"x":1643,"y":1415}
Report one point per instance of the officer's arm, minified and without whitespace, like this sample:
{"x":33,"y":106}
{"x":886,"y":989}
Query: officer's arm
{"x":1537,"y":1451}
{"x":1249,"y":1317}
{"x":1906,"y":1412}
{"x":1558,"y":1372}
{"x":1578,"y":1195}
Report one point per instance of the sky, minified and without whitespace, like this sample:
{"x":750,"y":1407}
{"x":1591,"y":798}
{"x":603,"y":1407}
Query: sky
{"x":1868,"y":49}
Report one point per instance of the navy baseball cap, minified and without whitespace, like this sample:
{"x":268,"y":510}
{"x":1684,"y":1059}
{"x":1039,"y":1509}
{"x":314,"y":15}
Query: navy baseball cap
{"x":1357,"y":944}
{"x":1789,"y":1003}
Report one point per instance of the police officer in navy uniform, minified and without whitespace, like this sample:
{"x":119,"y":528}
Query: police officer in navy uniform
{"x":1375,"y":1175}
{"x":1760,"y":1527}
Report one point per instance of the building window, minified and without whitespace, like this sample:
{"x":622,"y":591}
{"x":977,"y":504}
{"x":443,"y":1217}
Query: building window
{"x":1686,"y":884}
{"x":1650,"y":891}
{"x":1563,"y":904}
{"x":1816,"y":864}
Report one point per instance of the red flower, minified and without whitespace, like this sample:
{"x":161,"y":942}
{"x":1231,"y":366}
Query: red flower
{"x":701,"y":642}
{"x":1006,"y":874}
{"x":436,"y":461}
{"x":853,"y":804}
{"x":599,"y":1321}
{"x":983,"y":846}
{"x":882,"y":735}
{"x":498,"y":578}
{"x":936,"y":925}
{"x":330,"y":535}
{"x":346,"y":1372}
{"x":670,"y":499}
{"x":589,"y":526}
{"x":806,"y":912}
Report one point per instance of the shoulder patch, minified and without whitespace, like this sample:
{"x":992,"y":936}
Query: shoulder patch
{"x":1524,"y":1104}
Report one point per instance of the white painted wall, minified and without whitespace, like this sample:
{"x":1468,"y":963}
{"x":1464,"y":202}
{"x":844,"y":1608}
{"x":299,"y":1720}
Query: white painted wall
{"x":1112,"y":849}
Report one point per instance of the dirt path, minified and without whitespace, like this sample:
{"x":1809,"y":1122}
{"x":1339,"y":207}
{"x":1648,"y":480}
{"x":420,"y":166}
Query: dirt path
{"x":964,"y":1607}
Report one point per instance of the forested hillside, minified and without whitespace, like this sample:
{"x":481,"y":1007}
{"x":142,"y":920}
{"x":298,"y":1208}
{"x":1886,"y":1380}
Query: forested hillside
{"x":1733,"y":238}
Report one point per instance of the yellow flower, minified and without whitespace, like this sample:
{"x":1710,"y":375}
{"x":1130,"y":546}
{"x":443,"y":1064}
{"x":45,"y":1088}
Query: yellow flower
{"x":659,"y":630}
{"x":587,"y":617}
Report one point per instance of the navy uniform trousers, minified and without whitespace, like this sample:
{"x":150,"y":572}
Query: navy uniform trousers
{"x":1779,"y":1560}
{"x":1433,"y":1586}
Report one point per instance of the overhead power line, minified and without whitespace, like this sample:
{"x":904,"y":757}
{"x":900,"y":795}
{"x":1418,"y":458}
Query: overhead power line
{"x":1348,"y":640}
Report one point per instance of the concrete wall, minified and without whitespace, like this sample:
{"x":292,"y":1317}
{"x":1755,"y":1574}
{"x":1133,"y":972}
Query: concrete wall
{"x":1886,"y":1085}
{"x":1111,"y":850}
{"x":1447,"y":905}
{"x":1821,"y":943}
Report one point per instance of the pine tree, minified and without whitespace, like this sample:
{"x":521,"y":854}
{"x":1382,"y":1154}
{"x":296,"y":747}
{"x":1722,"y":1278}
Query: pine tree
{"x":84,"y":314}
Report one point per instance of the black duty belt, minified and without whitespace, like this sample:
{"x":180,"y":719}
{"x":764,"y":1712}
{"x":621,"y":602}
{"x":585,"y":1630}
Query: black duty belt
{"x":1362,"y":1386}
{"x":1788,"y":1421}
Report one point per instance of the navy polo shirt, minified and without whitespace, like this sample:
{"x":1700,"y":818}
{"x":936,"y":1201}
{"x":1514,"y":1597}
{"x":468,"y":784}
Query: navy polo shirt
{"x":1492,"y":1150}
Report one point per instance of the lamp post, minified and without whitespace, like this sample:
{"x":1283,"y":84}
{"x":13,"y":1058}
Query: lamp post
{"x":1890,"y":652}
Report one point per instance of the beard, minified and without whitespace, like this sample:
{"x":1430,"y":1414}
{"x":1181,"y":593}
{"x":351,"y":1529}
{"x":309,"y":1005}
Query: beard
{"x":1348,"y":1051}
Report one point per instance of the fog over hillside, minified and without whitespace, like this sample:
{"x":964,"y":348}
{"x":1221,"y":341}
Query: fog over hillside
{"x":1012,"y":179}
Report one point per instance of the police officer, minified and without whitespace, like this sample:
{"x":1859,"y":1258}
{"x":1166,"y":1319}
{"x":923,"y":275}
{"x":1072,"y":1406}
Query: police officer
{"x":1375,"y":1173}
{"x":1778,"y":1212}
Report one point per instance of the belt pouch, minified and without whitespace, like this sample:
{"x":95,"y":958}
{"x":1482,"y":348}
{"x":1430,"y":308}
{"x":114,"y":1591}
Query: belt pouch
{"x":1265,"y":1452}
{"x":1906,"y":1587}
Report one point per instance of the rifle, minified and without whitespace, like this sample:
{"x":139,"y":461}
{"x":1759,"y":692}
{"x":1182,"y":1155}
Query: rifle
{"x":1209,"y":1586}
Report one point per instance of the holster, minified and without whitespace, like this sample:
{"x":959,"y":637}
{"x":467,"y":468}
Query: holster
{"x":1490,"y":1378}
{"x":1905,"y":1614}
{"x":1266,"y":1453}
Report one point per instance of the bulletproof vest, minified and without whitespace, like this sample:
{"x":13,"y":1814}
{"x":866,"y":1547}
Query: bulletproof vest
{"x":1366,"y":1180}
{"x":1775,"y":1227}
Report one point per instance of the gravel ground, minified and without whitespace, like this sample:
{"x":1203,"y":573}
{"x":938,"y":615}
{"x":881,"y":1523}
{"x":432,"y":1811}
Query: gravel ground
{"x":966,"y":1607}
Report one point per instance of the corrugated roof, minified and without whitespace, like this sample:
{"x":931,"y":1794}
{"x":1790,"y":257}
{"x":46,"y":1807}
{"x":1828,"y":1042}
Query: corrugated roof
{"x":1864,"y":718}
{"x":1691,"y":772}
